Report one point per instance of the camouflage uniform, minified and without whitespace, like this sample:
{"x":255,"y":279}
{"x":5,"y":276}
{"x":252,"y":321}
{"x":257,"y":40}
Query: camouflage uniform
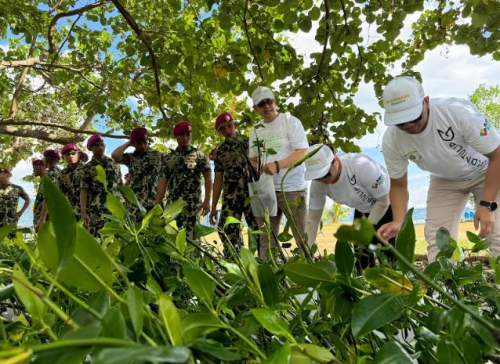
{"x":145,"y":170}
{"x":9,"y":198}
{"x":69,"y":183}
{"x":96,"y":193}
{"x":54,"y":173}
{"x":184,"y":170}
{"x":231,"y":159}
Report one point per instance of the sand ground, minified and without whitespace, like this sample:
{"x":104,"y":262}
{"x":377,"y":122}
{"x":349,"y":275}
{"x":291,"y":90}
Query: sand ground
{"x":326,"y":239}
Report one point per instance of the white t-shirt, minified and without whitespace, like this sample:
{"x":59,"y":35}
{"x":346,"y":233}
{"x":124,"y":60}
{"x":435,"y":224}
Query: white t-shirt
{"x":284,"y":134}
{"x":361,"y":182}
{"x":452,"y":146}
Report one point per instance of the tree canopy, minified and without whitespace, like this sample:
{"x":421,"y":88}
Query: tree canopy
{"x":70,"y":67}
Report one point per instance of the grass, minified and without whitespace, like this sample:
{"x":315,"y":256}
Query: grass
{"x":326,"y":239}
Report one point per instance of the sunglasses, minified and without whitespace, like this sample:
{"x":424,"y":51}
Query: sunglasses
{"x":265,"y":102}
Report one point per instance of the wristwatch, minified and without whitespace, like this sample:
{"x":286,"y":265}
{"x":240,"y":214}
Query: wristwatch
{"x":490,"y":205}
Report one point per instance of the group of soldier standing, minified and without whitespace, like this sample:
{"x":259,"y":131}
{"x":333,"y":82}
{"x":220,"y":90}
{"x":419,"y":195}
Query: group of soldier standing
{"x":439,"y":137}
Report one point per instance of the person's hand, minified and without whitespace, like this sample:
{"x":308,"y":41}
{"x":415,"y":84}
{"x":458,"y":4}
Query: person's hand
{"x":205,"y":207}
{"x":213,"y":214}
{"x":270,"y":168}
{"x":483,"y":220}
{"x":18,"y":215}
{"x":389,"y":230}
{"x":85,"y":219}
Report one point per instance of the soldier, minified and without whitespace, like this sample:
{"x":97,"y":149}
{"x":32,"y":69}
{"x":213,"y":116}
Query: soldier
{"x":83,"y":157}
{"x":182,"y":170}
{"x":9,"y":197}
{"x":50,"y":160}
{"x":69,"y":180}
{"x":144,"y":166}
{"x":93,"y":191}
{"x":232,"y":167}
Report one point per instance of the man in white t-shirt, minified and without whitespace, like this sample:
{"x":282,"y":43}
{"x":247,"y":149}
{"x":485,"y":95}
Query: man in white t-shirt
{"x":351,"y":179}
{"x":452,"y":140}
{"x":285,"y":142}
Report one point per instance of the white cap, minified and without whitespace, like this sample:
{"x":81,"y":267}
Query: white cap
{"x":403,"y":100}
{"x":261,"y":93}
{"x":318,"y":165}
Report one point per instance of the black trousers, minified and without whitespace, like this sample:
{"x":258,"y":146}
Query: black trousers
{"x":366,"y":258}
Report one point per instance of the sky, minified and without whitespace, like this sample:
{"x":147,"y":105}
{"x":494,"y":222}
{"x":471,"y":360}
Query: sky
{"x":446,"y":71}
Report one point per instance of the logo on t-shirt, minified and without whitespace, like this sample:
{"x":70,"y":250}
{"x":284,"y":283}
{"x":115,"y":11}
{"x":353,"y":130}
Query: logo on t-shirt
{"x":484,"y":130}
{"x":352,"y":180}
{"x":414,"y":156}
{"x":448,"y":135}
{"x":379,"y":182}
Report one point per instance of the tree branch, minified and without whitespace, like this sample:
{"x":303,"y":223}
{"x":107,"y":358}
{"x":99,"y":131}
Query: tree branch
{"x":147,"y":42}
{"x":55,"y":19}
{"x":327,"y":30}
{"x":10,"y":126}
{"x":17,"y":91}
{"x":248,"y":39}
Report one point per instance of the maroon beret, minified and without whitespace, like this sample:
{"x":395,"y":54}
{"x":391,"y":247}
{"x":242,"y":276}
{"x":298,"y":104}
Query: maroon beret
{"x":222,"y":118}
{"x":37,"y":162}
{"x":138,"y":134}
{"x":83,"y":156}
{"x":5,"y":170}
{"x":181,"y":127}
{"x":68,"y":148}
{"x":52,"y":154}
{"x":94,"y":139}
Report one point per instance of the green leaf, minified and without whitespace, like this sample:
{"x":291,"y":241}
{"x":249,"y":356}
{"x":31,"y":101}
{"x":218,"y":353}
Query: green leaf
{"x":280,"y":356}
{"x":89,"y":265}
{"x":101,"y":176}
{"x":171,"y":319}
{"x":216,"y":350}
{"x":129,"y":194}
{"x":360,"y":232}
{"x":344,"y":257}
{"x":65,"y":223}
{"x":196,"y":325}
{"x":284,"y":237}
{"x":231,"y":220}
{"x":202,"y":230}
{"x":405,"y":241}
{"x":126,"y":355}
{"x":375,"y":311}
{"x":271,"y":151}
{"x":5,"y":230}
{"x":391,"y":353}
{"x":200,"y":283}
{"x":269,"y":285}
{"x":473,"y":238}
{"x":317,"y":353}
{"x":62,"y":356}
{"x":113,"y":324}
{"x":115,"y":206}
{"x":29,"y":295}
{"x":135,"y":305}
{"x":306,"y":274}
{"x":483,"y":244}
{"x":443,"y":242}
{"x":305,"y":24}
{"x":173,"y":210}
{"x":388,"y":280}
{"x":272,"y":323}
{"x":447,"y":353}
{"x":180,"y":241}
{"x":455,"y":322}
